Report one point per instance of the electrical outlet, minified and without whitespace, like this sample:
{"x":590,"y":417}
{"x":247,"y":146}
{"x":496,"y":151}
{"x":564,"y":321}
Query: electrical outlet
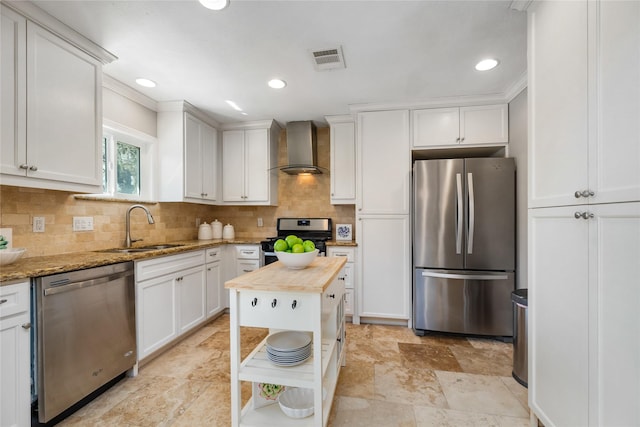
{"x":82,"y":223}
{"x":38,"y":224}
{"x":260,"y":223}
{"x":197,"y":222}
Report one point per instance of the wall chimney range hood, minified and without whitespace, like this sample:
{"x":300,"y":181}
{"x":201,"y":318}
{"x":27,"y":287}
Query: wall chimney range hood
{"x":302,"y":149}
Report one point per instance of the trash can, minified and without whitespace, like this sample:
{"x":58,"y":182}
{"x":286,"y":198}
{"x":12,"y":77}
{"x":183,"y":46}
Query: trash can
{"x":520,"y":306}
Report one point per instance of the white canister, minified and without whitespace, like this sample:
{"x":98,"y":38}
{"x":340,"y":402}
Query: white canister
{"x":205,"y":232}
{"x":228,"y":232}
{"x":217,"y":229}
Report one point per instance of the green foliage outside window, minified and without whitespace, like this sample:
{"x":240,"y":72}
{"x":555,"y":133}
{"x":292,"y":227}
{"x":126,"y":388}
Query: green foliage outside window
{"x":128,"y":168}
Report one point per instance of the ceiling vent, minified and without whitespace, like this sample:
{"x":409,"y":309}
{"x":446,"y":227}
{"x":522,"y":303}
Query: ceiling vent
{"x":328,"y":59}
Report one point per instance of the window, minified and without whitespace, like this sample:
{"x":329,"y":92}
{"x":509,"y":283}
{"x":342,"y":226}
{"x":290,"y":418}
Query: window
{"x":127,"y":163}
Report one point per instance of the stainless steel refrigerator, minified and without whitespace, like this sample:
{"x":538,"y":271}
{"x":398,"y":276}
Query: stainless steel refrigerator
{"x":464,"y":245}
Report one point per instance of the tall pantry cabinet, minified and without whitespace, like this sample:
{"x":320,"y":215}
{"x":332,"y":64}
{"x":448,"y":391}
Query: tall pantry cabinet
{"x":382,"y":211}
{"x":584,"y":212}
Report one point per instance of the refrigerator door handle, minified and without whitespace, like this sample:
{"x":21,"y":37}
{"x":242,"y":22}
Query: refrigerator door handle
{"x":472,"y":213}
{"x":459,"y":213}
{"x":465,"y":276}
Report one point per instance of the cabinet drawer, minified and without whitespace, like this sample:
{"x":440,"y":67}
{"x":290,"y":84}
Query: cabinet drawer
{"x":331,"y":297}
{"x":248,"y":252}
{"x":161,"y":266}
{"x":350,"y":253}
{"x":246,"y":265}
{"x":14,"y":299}
{"x":277,"y":310}
{"x":213,"y":254}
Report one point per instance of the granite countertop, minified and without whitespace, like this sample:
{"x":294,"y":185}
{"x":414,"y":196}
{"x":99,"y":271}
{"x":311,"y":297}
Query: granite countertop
{"x":53,"y":264}
{"x":341,"y":243}
{"x":315,"y":278}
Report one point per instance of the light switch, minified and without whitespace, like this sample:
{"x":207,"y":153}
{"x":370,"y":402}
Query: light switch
{"x":38,"y":224}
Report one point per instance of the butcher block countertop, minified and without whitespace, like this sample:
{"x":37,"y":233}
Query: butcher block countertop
{"x":315,"y":278}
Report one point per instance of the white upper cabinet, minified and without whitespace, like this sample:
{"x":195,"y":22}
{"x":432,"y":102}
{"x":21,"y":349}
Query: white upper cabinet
{"x":384,"y":162}
{"x":343,"y":159}
{"x":188,"y":154}
{"x":51,"y":109}
{"x":585,"y":98}
{"x":458,"y":126}
{"x":249,"y":163}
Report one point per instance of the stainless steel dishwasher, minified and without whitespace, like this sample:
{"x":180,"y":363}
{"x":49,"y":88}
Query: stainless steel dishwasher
{"x":85,"y":334}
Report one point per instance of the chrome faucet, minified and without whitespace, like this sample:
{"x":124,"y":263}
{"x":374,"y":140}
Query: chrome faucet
{"x":128,"y":240}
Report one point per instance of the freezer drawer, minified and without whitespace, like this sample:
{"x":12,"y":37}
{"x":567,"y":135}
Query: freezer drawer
{"x":465,"y":302}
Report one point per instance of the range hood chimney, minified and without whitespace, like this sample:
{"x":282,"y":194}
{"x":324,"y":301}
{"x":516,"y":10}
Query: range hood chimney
{"x":302,"y":149}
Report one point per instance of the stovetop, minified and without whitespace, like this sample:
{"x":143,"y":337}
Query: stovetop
{"x":316,"y":229}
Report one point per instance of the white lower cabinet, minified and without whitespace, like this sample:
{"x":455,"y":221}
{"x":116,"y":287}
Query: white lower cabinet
{"x":347,"y":276}
{"x":15,"y":375}
{"x":215,"y":300}
{"x":170,"y":299}
{"x":584,"y":323}
{"x":248,"y":258}
{"x":384,"y":266}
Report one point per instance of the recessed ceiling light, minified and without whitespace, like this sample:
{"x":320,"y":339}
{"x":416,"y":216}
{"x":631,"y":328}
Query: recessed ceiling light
{"x":486,"y":64}
{"x":277,"y":83}
{"x":214,"y":4}
{"x":233,"y":105}
{"x":146,"y":82}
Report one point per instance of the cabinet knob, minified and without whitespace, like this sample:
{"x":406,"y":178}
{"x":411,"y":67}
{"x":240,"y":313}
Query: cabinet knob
{"x":274,"y":303}
{"x":33,"y":168}
{"x":458,"y":139}
{"x":2,"y":301}
{"x":254,"y":302}
{"x":583,"y":215}
{"x":331,"y":296}
{"x":584,"y":193}
{"x":24,"y":166}
{"x":26,"y":325}
{"x":339,"y":339}
{"x":341,"y":278}
{"x":294,"y":304}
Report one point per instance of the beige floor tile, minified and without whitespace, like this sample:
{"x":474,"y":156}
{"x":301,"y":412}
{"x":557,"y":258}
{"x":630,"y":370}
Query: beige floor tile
{"x":356,"y":380}
{"x":178,"y":362}
{"x":408,"y":386}
{"x":518,"y":390}
{"x":482,"y":361}
{"x":441,"y":417}
{"x":479,"y":393}
{"x":394,"y":333}
{"x":355,"y":412}
{"x":425,"y":356}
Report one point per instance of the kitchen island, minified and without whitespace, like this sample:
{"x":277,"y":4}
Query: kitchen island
{"x":279,"y":298}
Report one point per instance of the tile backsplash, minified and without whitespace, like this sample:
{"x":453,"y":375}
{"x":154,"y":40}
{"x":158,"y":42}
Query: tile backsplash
{"x":299,"y":196}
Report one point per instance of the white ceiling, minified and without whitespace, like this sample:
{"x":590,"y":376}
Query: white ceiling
{"x":395,"y":51}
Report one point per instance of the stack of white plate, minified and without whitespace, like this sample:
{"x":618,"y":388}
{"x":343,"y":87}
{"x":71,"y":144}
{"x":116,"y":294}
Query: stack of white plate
{"x":289,"y":348}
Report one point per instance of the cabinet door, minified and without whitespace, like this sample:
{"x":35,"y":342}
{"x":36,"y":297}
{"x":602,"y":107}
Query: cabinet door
{"x":155,"y":314}
{"x":485,"y":124}
{"x":614,"y":174}
{"x":558,"y":316}
{"x":193,"y":157}
{"x":384,"y":162}
{"x":343,"y":163}
{"x":214,"y":291}
{"x":613,"y":259}
{"x":256,"y":170}
{"x":436,"y":126}
{"x":15,"y":405}
{"x":233,"y":166}
{"x":13,"y":142}
{"x":558,"y":123}
{"x":191,"y":298}
{"x":64,"y":110}
{"x":385,"y":264}
{"x":209,"y":144}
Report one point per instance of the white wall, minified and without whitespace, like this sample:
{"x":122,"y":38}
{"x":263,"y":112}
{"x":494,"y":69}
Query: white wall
{"x":518,"y":150}
{"x":127,"y":112}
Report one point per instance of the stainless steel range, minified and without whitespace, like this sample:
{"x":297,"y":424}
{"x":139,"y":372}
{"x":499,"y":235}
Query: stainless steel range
{"x":317,"y":230}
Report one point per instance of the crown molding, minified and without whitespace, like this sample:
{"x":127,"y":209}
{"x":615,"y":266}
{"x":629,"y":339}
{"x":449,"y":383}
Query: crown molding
{"x":127,"y":91}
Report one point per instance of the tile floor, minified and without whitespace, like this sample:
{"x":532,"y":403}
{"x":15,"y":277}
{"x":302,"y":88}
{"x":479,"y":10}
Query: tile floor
{"x":392,"y":378}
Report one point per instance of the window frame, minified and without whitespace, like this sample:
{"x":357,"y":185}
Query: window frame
{"x":115,"y":132}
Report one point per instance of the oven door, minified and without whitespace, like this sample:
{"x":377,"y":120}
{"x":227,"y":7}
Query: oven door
{"x":269,"y":258}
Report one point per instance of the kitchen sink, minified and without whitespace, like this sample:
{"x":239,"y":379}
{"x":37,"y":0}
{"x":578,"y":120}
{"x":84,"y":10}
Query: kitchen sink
{"x":140,"y":249}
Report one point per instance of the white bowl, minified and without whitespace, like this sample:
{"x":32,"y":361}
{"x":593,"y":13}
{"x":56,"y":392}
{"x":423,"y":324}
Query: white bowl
{"x":297,"y":261}
{"x":8,"y":256}
{"x":296,"y":402}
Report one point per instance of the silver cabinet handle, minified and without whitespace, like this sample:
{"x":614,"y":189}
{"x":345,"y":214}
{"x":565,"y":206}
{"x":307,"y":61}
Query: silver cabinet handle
{"x":2,"y":301}
{"x":26,"y":325}
{"x":458,"y":139}
{"x":584,"y":193}
{"x":583,"y":215}
{"x":24,"y":166}
{"x":33,"y":168}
